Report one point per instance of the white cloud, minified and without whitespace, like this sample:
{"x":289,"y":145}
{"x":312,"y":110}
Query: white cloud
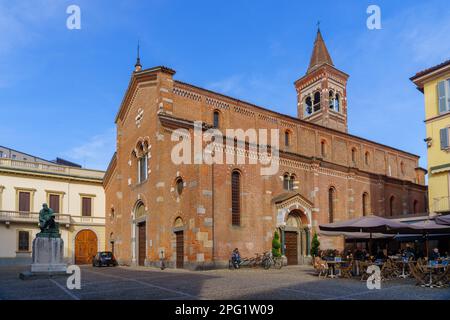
{"x":96,"y":152}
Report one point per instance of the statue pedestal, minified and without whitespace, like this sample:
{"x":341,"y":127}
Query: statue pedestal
{"x":48,"y":256}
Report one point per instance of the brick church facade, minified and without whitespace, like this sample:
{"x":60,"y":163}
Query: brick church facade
{"x":196,"y":214}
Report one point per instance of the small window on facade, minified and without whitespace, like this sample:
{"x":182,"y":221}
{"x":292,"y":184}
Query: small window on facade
{"x":286,"y":181}
{"x":287,"y":138}
{"x":216,"y":118}
{"x":1,"y":154}
{"x":367,"y":158}
{"x":416,"y":206}
{"x":323,"y":148}
{"x":402,"y":168}
{"x":333,"y":101}
{"x":236,"y":198}
{"x":86,"y":206}
{"x":112,"y":214}
{"x":331,"y":204}
{"x":142,"y":168}
{"x":444,"y":96}
{"x":365,"y":204}
{"x":337,"y":103}
{"x":308,"y":106}
{"x":24,"y":201}
{"x":444,"y":135}
{"x":24,"y":241}
{"x":391,"y":206}
{"x":291,"y":183}
{"x":179,"y":186}
{"x":354,"y":156}
{"x":54,"y":202}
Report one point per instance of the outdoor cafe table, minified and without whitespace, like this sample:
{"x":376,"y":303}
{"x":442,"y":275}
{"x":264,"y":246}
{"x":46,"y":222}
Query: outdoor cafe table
{"x":435,"y":268}
{"x":333,"y":264}
{"x":403,"y":263}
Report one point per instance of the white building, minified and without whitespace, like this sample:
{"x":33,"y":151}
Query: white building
{"x":75,"y":194}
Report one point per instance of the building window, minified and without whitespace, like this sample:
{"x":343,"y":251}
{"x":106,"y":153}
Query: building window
{"x":316,"y":104}
{"x":444,"y":134}
{"x":216,"y":119}
{"x":334,"y":101}
{"x":367,"y":158}
{"x":236,"y":198}
{"x":288,"y":182}
{"x":308,"y":106}
{"x":23,"y":241}
{"x":54,"y":202}
{"x":402,"y":168}
{"x":24,"y":201}
{"x":86,"y":206}
{"x":365,"y":204}
{"x":1,"y":154}
{"x":142,"y":168}
{"x":287,"y":138}
{"x":331,"y":204}
{"x":354,"y":155}
{"x":415,"y":206}
{"x":179,"y":186}
{"x":444,"y":96}
{"x":112,"y":214}
{"x":140,"y":210}
{"x":391,"y":206}
{"x":323,"y":148}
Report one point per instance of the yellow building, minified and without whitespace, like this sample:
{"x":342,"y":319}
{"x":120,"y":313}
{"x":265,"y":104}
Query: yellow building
{"x":74,"y":193}
{"x":434,"y":83}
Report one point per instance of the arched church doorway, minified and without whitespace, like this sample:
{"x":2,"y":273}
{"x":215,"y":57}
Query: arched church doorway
{"x":296,"y":238}
{"x":85,"y":247}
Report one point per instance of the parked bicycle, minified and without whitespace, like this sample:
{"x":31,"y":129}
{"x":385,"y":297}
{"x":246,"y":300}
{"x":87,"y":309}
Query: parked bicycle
{"x":268,"y":261}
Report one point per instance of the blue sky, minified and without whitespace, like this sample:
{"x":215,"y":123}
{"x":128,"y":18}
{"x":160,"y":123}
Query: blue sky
{"x":60,"y":89}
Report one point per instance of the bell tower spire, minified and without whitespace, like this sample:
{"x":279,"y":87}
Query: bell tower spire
{"x":321,"y":92}
{"x":138,"y":66}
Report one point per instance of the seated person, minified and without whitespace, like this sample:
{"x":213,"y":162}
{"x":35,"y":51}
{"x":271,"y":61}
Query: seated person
{"x":236,"y":258}
{"x":380,"y":255}
{"x":434,"y":254}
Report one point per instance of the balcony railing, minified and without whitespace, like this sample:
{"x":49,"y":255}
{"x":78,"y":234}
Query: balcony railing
{"x":441,"y":204}
{"x":49,"y":168}
{"x":62,"y":219}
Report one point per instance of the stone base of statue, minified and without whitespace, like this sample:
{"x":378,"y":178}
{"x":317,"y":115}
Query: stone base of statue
{"x":48,"y":255}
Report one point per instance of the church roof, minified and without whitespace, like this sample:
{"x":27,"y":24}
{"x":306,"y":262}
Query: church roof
{"x":320,"y":55}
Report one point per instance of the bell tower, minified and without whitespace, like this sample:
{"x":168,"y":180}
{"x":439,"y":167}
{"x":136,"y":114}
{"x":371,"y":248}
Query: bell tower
{"x":322,"y":92}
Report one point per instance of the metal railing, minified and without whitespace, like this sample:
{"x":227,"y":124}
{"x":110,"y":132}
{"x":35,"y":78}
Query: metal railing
{"x":63,"y":219}
{"x":441,"y":204}
{"x":49,"y":168}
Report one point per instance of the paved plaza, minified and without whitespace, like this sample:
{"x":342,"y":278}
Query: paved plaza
{"x":290,"y":283}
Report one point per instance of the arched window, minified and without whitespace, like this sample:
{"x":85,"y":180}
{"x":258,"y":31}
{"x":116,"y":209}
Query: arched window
{"x":308,"y":106}
{"x":354,"y":158}
{"x":141,"y":153}
{"x":331,"y":204}
{"x":291,"y":182}
{"x":287,"y":138}
{"x":415,"y":206}
{"x":331,"y":99}
{"x":216,"y":119}
{"x":334,"y":102}
{"x":337,"y":103}
{"x":236,"y":198}
{"x":112,"y":214}
{"x":391,"y":206}
{"x":323,"y":148}
{"x":367,"y":158}
{"x":139,"y":211}
{"x":316,"y":104}
{"x":179,"y":183}
{"x":365,"y":204}
{"x":402,"y":168}
{"x":286,"y":179}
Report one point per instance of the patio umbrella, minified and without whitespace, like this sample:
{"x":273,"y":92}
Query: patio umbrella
{"x":369,"y":224}
{"x":430,"y":227}
{"x":356,"y":235}
{"x":445,"y":220}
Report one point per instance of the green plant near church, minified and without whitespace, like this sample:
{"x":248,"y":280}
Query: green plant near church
{"x":276,"y":245}
{"x":315,"y":245}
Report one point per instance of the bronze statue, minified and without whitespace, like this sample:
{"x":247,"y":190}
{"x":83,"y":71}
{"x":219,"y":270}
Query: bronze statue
{"x":49,"y":228}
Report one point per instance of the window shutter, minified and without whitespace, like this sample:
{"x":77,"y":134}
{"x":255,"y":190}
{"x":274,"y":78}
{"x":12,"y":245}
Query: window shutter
{"x":54,"y":202}
{"x":24,"y":201}
{"x":86,"y":210}
{"x":442,"y":97}
{"x":444,"y":138}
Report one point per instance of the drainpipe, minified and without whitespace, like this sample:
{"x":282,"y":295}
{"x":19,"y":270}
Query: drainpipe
{"x":213,"y":216}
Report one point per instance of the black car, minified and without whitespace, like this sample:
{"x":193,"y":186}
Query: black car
{"x":104,"y":258}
